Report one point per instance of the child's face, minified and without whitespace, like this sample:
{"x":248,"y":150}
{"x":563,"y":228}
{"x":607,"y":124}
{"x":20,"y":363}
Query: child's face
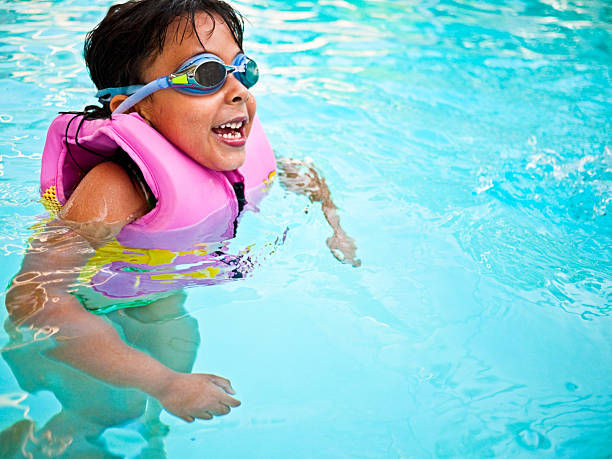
{"x":188,"y":120}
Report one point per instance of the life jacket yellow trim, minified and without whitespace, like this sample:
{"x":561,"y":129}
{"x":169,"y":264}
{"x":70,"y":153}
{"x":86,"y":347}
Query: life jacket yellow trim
{"x":49,"y":200}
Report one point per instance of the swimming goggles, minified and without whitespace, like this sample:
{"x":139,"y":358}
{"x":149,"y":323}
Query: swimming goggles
{"x":201,"y":75}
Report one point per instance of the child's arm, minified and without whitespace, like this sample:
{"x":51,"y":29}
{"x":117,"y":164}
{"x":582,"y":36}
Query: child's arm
{"x":302,"y":178}
{"x":38,"y":298}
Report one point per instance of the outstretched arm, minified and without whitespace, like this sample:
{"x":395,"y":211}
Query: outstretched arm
{"x":302,"y":178}
{"x":38,"y":298}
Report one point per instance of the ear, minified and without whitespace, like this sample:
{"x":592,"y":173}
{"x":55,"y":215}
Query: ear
{"x":141,"y":108}
{"x":116,"y":101}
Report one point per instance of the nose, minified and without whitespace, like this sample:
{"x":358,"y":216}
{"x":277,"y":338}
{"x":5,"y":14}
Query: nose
{"x":235,"y":91}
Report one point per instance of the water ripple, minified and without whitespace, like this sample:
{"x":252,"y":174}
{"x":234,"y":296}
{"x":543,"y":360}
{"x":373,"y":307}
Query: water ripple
{"x":467,"y":147}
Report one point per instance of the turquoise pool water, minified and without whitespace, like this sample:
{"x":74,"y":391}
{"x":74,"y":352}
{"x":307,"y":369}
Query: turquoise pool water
{"x":467,"y":145}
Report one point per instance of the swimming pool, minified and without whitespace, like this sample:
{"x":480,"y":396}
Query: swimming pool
{"x":467,"y":147}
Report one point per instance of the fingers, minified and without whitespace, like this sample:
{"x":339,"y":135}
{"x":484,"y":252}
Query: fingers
{"x":230,"y":401}
{"x":338,"y":255}
{"x":219,"y":409}
{"x":226,"y":399}
{"x":223,"y":383}
{"x":206,"y":415}
{"x":342,"y":253}
{"x":222,"y":410}
{"x":199,"y":396}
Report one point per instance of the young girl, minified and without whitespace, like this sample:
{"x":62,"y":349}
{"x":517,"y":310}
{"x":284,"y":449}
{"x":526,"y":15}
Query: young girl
{"x":182,"y":151}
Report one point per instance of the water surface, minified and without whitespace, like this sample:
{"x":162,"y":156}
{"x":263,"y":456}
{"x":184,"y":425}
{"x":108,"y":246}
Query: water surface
{"x":468,"y":149}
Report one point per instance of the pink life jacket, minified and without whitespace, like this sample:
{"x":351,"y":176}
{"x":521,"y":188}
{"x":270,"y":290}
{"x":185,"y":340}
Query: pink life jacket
{"x":163,"y":250}
{"x":194,"y":204}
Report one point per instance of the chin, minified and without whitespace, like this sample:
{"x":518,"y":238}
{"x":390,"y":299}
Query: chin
{"x":228,"y":161}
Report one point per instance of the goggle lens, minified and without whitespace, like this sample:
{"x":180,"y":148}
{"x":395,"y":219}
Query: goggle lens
{"x":250,"y":75}
{"x":210,"y":74}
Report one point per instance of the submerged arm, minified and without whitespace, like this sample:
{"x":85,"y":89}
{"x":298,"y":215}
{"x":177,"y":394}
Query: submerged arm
{"x":39,"y":298}
{"x":302,"y":178}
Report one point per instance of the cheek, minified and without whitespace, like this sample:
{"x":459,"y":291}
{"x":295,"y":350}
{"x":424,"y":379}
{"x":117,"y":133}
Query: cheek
{"x":186,"y":121}
{"x":251,"y":110}
{"x":159,"y":111}
{"x":251,"y":107}
{"x":172,"y":107}
{"x":194,"y":131}
{"x":187,"y":127}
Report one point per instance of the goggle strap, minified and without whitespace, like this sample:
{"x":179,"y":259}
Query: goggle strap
{"x":106,"y":94}
{"x":146,"y":90}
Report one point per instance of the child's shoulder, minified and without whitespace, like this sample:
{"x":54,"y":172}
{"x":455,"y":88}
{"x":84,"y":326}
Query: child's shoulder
{"x":106,"y":194}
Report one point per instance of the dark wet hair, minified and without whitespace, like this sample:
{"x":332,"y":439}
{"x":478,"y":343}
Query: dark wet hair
{"x":135,"y":31}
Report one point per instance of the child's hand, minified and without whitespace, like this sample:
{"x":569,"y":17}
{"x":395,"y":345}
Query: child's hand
{"x":301,"y":177}
{"x":344,"y":249}
{"x":201,"y":396}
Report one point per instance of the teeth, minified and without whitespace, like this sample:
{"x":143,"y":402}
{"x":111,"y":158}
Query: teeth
{"x":232,"y":135}
{"x":237,"y":125}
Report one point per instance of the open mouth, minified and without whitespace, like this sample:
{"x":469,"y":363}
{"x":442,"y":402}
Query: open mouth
{"x":232,"y":132}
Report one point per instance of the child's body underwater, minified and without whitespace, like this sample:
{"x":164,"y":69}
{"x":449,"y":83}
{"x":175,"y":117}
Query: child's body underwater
{"x":207,"y":115}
